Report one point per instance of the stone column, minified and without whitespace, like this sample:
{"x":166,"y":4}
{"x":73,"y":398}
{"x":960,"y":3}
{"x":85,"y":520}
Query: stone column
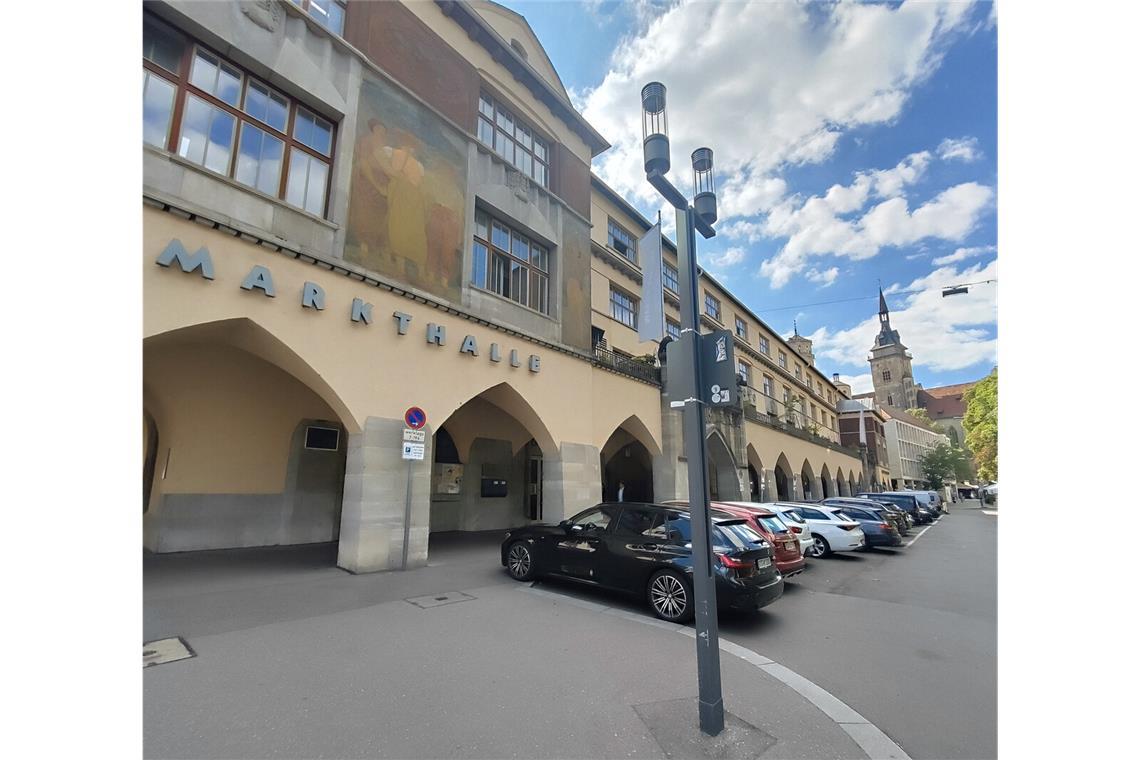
{"x":571,"y":482}
{"x":372,"y":509}
{"x":768,"y":486}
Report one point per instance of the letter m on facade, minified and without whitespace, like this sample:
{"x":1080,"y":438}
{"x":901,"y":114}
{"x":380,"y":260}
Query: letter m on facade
{"x":200,"y":259}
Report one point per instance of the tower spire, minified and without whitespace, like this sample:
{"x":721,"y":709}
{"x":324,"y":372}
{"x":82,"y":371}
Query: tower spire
{"x":882,"y":302}
{"x":795,"y":327}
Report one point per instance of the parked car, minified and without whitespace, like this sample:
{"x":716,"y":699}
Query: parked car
{"x":830,"y":532}
{"x":905,"y":501}
{"x":646,"y":550}
{"x":796,"y":524}
{"x":939,"y":501}
{"x":988,"y":494}
{"x":786,"y":551}
{"x":925,"y":501}
{"x":886,"y":510}
{"x":879,"y":530}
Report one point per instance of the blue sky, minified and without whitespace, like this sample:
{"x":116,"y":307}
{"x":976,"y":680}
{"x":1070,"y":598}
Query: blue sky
{"x":890,"y":107}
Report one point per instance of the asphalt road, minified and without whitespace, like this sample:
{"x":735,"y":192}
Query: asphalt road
{"x":907,"y":637}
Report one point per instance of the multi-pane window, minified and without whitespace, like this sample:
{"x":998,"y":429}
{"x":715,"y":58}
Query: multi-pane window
{"x":744,"y":371}
{"x":517,"y":143}
{"x":213,"y":114}
{"x":764,"y":346}
{"x":623,"y":307}
{"x":886,"y":375}
{"x":741,"y":328}
{"x":510,"y":264}
{"x":669,"y":277}
{"x":712,"y":306}
{"x":783,"y":360}
{"x":890,"y":400}
{"x":672,"y":329}
{"x":767,"y":387}
{"x":799,"y":373}
{"x":622,"y":242}
{"x":328,"y":13}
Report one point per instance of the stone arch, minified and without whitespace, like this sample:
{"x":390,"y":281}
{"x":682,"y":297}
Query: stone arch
{"x":757,"y":478}
{"x":851,"y":485}
{"x":248,"y":335}
{"x":826,"y":485}
{"x":724,"y":484}
{"x":507,"y":398}
{"x":807,"y":481}
{"x":841,"y":483}
{"x":627,"y":462}
{"x":246,"y":441}
{"x":785,"y":483}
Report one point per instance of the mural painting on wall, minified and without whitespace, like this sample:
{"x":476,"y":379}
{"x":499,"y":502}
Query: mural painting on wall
{"x":409,"y":173}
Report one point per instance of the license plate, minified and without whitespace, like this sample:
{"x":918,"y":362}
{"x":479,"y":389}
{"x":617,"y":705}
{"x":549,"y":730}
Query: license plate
{"x":790,"y":545}
{"x":763,"y":563}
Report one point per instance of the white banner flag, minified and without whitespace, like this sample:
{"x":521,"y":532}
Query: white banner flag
{"x":651,"y":310}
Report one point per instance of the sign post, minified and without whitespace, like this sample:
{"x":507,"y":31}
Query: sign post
{"x":414,"y":442}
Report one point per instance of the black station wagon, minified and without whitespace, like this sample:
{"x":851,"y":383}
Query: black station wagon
{"x":646,"y":550}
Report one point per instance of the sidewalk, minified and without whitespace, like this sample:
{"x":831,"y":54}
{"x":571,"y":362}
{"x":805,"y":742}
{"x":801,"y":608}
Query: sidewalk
{"x":501,"y":670}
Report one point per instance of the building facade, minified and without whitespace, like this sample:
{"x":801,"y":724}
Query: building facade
{"x":353,"y":209}
{"x":908,"y":439}
{"x":862,"y":423}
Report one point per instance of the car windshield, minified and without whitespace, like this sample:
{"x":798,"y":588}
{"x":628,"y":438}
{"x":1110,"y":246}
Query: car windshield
{"x":793,"y":515}
{"x":773,"y":523}
{"x":736,"y":535}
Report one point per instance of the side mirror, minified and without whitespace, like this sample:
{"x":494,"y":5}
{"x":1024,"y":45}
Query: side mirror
{"x":565,"y":525}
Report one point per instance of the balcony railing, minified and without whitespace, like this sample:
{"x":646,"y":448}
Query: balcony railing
{"x":624,"y":365}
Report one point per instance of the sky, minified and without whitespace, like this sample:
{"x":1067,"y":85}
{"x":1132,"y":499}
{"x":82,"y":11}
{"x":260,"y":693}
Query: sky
{"x":855,"y":146}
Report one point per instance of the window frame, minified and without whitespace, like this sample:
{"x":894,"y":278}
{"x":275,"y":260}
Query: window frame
{"x":613,"y":226}
{"x":493,"y":249}
{"x":306,"y":6}
{"x":765,"y":347}
{"x":711,"y":299}
{"x":677,"y":325}
{"x":632,"y":308}
{"x":184,"y":88}
{"x":741,"y":329}
{"x":547,"y":144}
{"x":670,"y":277}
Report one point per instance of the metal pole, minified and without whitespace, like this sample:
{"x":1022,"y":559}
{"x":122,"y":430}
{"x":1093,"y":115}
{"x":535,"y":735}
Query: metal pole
{"x":711,"y":702}
{"x":407,"y":517}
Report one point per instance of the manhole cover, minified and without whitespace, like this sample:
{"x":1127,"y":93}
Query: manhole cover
{"x":163,"y":651}
{"x":675,"y":727}
{"x":438,"y":600}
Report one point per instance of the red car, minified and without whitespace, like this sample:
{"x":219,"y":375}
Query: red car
{"x":785,"y":544}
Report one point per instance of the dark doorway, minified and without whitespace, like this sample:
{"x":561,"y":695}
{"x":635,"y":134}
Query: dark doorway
{"x":783,"y":491}
{"x":632,"y":466}
{"x":753,"y":484}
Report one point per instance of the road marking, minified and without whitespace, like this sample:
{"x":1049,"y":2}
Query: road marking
{"x":870,"y":738}
{"x":920,"y":534}
{"x":989,"y":512}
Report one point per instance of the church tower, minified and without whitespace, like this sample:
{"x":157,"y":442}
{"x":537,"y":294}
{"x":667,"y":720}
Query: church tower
{"x":801,"y":345}
{"x":890,"y":365}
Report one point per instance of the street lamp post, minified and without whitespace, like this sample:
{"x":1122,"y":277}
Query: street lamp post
{"x":690,"y":218}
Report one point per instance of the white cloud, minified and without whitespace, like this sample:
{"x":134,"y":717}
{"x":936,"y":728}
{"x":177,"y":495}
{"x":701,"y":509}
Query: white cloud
{"x":824,"y":278}
{"x":728,"y":258}
{"x":859,"y":383}
{"x":964,"y":253}
{"x":963,"y":149}
{"x":942,"y":333}
{"x":814,"y":228}
{"x":765,"y":85}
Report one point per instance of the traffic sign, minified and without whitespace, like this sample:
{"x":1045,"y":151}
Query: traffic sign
{"x":413,"y":451}
{"x":415,"y":418}
{"x":415,"y":436}
{"x":718,"y":369}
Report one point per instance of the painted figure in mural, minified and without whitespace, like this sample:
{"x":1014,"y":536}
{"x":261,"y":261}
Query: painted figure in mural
{"x":407,"y":223}
{"x":407,"y":195}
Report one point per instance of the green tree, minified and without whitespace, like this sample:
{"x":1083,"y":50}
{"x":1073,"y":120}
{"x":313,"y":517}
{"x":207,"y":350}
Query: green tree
{"x":924,"y":415}
{"x":944,"y":463}
{"x":981,"y":423}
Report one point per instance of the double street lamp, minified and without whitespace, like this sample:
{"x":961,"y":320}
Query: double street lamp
{"x":700,"y":215}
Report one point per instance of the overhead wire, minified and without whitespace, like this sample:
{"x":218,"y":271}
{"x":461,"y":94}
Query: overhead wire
{"x":872,"y":298}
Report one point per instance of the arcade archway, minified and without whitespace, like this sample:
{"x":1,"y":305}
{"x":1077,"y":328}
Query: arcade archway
{"x":724,"y":485}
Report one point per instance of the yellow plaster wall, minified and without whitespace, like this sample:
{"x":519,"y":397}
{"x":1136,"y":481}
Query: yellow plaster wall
{"x":229,"y":420}
{"x":769,"y":444}
{"x":362,"y":371}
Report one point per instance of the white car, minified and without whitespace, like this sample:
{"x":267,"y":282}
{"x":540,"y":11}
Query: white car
{"x":831,"y":530}
{"x":796,"y":524}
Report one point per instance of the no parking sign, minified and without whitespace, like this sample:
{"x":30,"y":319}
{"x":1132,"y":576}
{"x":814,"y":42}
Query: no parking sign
{"x":415,"y":418}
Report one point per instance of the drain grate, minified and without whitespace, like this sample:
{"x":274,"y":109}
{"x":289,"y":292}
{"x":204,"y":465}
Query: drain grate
{"x":438,"y":600}
{"x":162,"y":651}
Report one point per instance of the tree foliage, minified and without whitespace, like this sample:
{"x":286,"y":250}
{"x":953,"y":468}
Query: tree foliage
{"x":981,"y":423}
{"x":943,"y":463}
{"x":922,"y":414}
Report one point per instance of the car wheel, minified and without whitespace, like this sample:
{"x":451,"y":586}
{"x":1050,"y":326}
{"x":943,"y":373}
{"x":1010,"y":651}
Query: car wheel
{"x":671,"y":596}
{"x":820,"y":548}
{"x":520,"y":562}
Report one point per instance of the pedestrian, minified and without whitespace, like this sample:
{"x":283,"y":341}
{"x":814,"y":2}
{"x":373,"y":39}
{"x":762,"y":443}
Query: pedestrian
{"x":621,"y":490}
